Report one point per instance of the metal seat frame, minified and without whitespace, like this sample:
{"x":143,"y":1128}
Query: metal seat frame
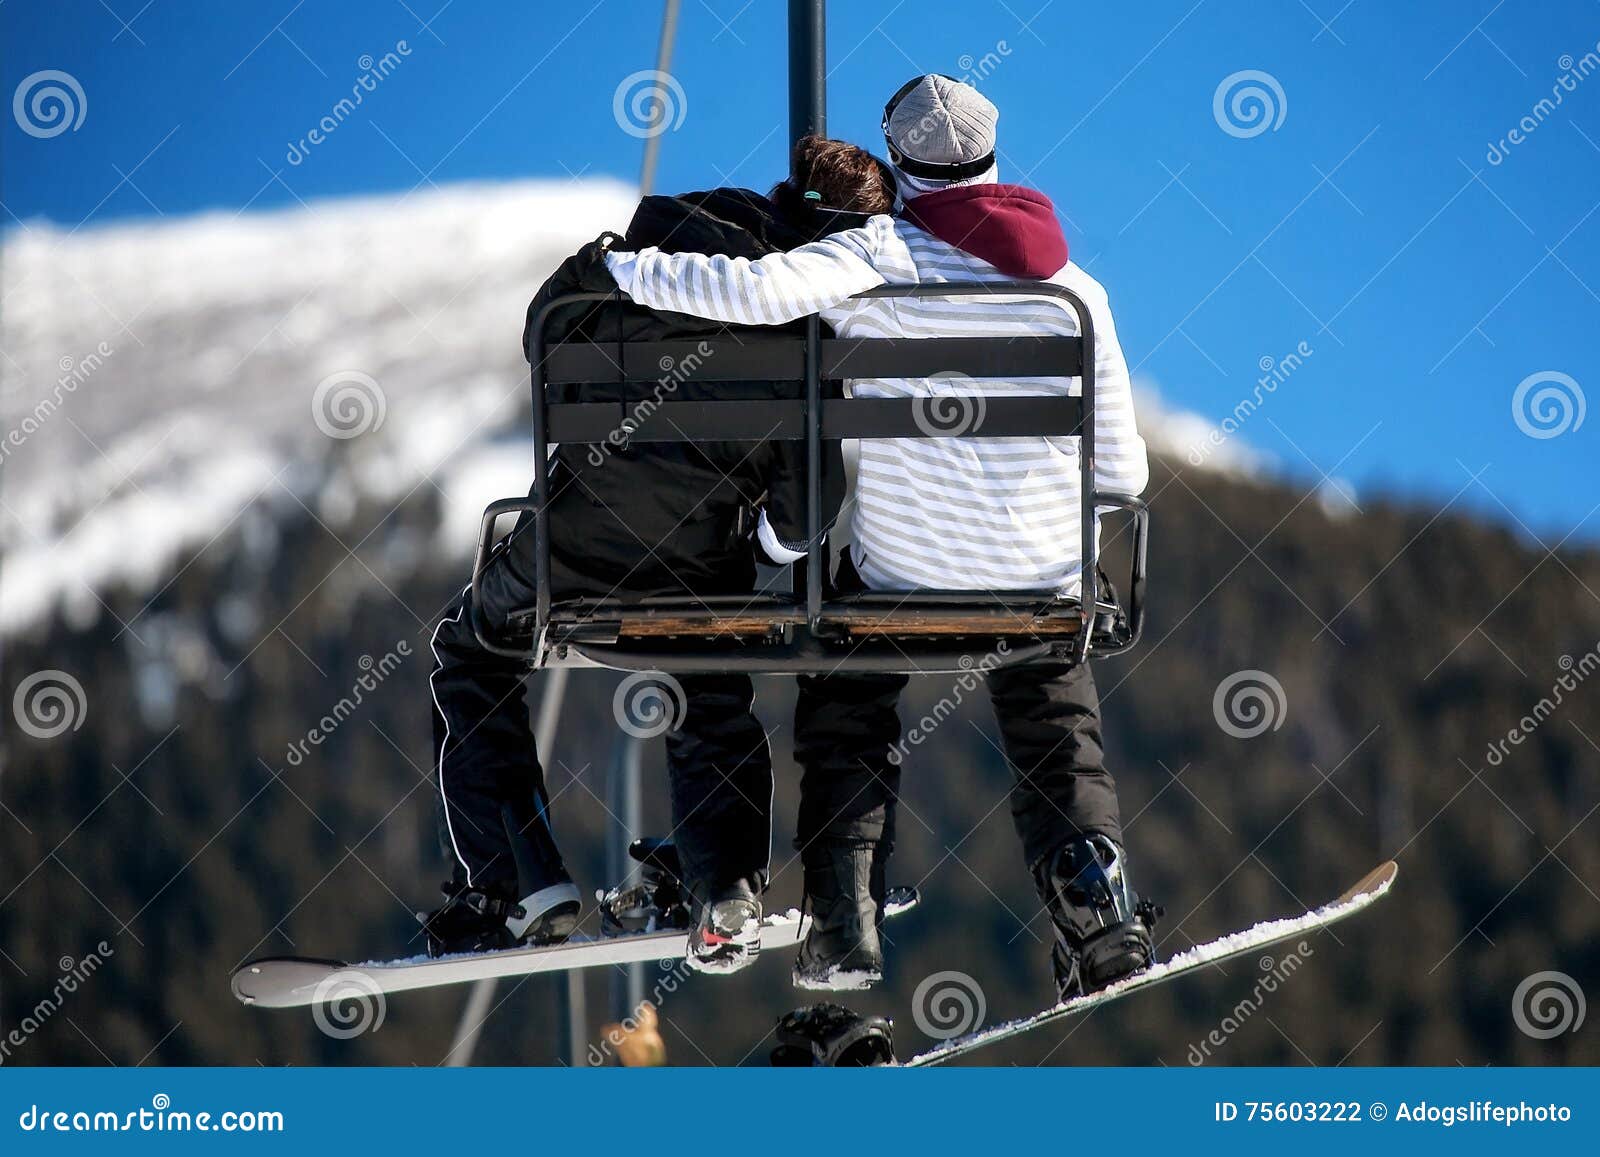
{"x":803,"y":630}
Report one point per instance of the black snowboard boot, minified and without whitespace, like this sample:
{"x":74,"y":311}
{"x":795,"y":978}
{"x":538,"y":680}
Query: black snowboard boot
{"x":831,"y":1036}
{"x":727,"y":935}
{"x":844,"y":885}
{"x":470,"y":920}
{"x":1102,"y":928}
{"x":486,"y":919}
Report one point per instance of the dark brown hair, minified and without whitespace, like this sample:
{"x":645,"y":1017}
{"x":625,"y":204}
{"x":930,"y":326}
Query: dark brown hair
{"x":844,"y":176}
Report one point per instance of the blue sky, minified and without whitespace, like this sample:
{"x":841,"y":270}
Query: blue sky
{"x":1369,"y":223}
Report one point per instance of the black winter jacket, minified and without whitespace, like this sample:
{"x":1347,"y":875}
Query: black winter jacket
{"x":666,"y":518}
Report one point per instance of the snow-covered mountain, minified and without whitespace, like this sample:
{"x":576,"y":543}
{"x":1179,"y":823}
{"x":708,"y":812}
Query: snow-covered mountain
{"x":162,"y":379}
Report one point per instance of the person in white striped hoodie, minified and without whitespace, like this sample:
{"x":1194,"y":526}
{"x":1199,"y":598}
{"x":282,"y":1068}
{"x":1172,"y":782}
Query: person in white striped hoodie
{"x":949,"y":513}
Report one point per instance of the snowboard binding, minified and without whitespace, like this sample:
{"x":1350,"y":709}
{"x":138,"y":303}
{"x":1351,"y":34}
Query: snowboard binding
{"x":657,"y":902}
{"x":469,"y":920}
{"x":1103,"y":929}
{"x":831,"y":1036}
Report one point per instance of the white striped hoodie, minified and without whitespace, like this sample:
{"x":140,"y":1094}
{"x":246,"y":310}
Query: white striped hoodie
{"x":945,"y":513}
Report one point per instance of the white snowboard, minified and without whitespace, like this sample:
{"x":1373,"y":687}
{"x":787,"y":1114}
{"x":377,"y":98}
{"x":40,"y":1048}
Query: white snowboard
{"x":296,"y":981}
{"x":1372,"y":887}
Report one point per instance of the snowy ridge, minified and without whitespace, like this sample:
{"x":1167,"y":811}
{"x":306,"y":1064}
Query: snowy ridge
{"x":1371,"y":889}
{"x":160,"y":384}
{"x":159,"y":387}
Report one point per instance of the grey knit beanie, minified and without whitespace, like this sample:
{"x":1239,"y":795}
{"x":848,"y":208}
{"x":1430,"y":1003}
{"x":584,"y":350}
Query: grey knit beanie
{"x":939,"y":128}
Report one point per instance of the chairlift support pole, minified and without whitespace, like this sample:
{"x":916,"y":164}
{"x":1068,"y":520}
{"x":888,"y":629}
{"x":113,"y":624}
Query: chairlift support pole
{"x":624,"y":806}
{"x":652,"y":142}
{"x":808,"y":68}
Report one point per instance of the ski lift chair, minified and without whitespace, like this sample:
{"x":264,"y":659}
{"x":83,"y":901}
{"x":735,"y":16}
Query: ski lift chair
{"x":808,"y":629}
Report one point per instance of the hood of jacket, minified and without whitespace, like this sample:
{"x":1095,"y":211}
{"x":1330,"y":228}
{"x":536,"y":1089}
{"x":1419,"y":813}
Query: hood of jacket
{"x":1011,"y":227}
{"x":727,"y":222}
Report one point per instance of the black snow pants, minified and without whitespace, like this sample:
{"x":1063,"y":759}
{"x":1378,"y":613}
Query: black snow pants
{"x":494,"y":805}
{"x":848,"y":743}
{"x":847,"y":740}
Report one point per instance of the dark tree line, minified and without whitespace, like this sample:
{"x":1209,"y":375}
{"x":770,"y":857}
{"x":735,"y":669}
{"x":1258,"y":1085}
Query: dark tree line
{"x":174,"y":826}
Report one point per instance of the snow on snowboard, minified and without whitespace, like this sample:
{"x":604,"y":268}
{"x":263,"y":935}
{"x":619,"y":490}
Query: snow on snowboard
{"x":1371,"y":888}
{"x":297,"y":981}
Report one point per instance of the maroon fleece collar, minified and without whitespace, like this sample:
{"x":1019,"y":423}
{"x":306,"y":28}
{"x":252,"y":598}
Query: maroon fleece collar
{"x":1011,"y":227}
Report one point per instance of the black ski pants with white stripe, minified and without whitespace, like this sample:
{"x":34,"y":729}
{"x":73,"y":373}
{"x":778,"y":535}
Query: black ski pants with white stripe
{"x":494,"y":806}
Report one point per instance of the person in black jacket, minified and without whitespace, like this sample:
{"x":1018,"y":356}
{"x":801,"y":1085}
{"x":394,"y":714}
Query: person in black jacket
{"x":635,"y":521}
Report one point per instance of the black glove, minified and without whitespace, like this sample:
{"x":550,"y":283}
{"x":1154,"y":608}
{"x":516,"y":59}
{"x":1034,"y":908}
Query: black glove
{"x":588,"y":265}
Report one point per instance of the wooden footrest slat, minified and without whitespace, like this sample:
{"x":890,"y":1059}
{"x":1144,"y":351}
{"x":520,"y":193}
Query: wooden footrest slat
{"x":868,"y":624}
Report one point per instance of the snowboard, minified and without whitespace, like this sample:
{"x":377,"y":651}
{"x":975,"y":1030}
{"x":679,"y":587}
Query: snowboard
{"x":1371,"y":888}
{"x":298,"y":981}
